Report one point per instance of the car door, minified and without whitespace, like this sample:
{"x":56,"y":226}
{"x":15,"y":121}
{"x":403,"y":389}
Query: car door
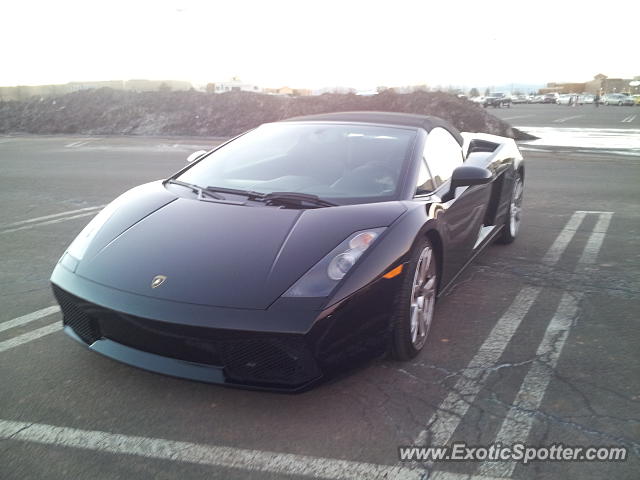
{"x":462,"y":216}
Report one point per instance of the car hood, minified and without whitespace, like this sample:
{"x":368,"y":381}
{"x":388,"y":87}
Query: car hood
{"x":215,"y":253}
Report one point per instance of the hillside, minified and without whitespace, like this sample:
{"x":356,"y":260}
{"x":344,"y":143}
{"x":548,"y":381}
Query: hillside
{"x":189,"y":113}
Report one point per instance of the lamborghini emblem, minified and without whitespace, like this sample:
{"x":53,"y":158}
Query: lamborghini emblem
{"x":157,"y":281}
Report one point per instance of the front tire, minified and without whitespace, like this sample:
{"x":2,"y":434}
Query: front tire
{"x":512,"y":223}
{"x":415,"y":303}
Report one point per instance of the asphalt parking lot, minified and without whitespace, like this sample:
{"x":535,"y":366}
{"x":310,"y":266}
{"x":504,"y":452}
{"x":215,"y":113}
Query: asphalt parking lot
{"x":580,"y":129}
{"x":537,"y":342}
{"x":558,"y":116}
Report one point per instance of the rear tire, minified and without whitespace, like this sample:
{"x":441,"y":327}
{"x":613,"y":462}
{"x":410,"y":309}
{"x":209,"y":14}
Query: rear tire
{"x":512,"y":222}
{"x":415,"y":302}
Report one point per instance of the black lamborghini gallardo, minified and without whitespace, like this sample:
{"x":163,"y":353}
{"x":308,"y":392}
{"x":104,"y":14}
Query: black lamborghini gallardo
{"x":292,"y":251}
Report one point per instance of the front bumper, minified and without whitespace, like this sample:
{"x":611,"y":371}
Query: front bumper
{"x":275,"y":361}
{"x":263,"y":351}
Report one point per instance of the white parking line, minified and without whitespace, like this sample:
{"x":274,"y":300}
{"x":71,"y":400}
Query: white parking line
{"x":562,"y":120}
{"x":29,"y":317}
{"x":81,"y":143}
{"x":50,"y":222}
{"x":517,"y":116}
{"x":29,"y":336}
{"x":592,"y":248}
{"x":55,"y":215}
{"x":444,"y":422}
{"x":518,"y":422}
{"x":212,"y":455}
{"x":628,"y":119}
{"x":566,"y":235}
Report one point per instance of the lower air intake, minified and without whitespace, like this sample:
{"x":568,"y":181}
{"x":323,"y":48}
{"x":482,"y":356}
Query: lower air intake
{"x":83,"y":325}
{"x":278,"y":360}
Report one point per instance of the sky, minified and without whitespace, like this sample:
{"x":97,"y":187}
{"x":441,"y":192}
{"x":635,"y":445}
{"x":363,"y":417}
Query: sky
{"x":315,"y":44}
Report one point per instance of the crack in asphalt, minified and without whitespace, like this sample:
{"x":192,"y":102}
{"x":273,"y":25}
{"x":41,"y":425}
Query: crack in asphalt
{"x":483,"y":412}
{"x":576,"y":284}
{"x":10,"y":437}
{"x":587,"y":403}
{"x":544,"y":360}
{"x":635,"y":399}
{"x":558,"y":420}
{"x":484,"y":369}
{"x":538,"y":274}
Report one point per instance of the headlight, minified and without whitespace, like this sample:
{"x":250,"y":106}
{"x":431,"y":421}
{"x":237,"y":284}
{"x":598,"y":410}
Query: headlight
{"x":327,"y":273}
{"x":340,"y":265}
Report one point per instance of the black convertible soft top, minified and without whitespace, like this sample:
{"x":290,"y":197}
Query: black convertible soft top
{"x":388,"y":118}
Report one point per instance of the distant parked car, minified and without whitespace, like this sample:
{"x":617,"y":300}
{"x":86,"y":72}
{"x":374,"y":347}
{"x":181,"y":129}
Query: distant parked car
{"x":636,"y":99}
{"x":617,"y":99}
{"x":567,"y":99}
{"x":537,"y":99}
{"x":550,"y":98}
{"x":519,"y":99}
{"x":497,"y":100}
{"x":479,"y":100}
{"x":586,"y":98}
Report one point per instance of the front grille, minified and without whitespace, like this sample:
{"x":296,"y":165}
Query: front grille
{"x":75,"y":317}
{"x":247,"y":358}
{"x":270,"y":360}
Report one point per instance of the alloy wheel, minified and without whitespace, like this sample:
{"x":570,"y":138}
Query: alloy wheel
{"x":423,"y":297}
{"x":515,"y":209}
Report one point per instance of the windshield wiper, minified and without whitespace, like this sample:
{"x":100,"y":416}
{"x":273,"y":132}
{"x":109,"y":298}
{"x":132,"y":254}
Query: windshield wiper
{"x":296,"y":199}
{"x":251,"y":194}
{"x":201,"y":192}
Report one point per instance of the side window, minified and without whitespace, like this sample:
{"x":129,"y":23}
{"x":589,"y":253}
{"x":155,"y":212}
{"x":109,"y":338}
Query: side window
{"x":443,"y":154}
{"x":425,"y":182}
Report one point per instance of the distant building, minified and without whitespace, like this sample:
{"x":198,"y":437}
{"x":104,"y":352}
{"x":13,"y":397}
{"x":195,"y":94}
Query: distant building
{"x":288,"y":91}
{"x":563,"y":88}
{"x":596,"y":85}
{"x":279,"y":91}
{"x":233,"y":85}
{"x":617,"y":85}
{"x":602,"y":84}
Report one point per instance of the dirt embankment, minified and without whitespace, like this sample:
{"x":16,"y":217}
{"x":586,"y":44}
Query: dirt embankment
{"x":190,"y":113}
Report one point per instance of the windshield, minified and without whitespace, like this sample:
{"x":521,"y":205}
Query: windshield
{"x":343,"y":163}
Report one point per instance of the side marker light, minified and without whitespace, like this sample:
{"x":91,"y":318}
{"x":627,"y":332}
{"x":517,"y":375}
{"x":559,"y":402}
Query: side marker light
{"x":393,"y":273}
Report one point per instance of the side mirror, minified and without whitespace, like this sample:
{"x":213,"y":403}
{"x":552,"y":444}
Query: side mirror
{"x":466,"y":176}
{"x":195,"y":155}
